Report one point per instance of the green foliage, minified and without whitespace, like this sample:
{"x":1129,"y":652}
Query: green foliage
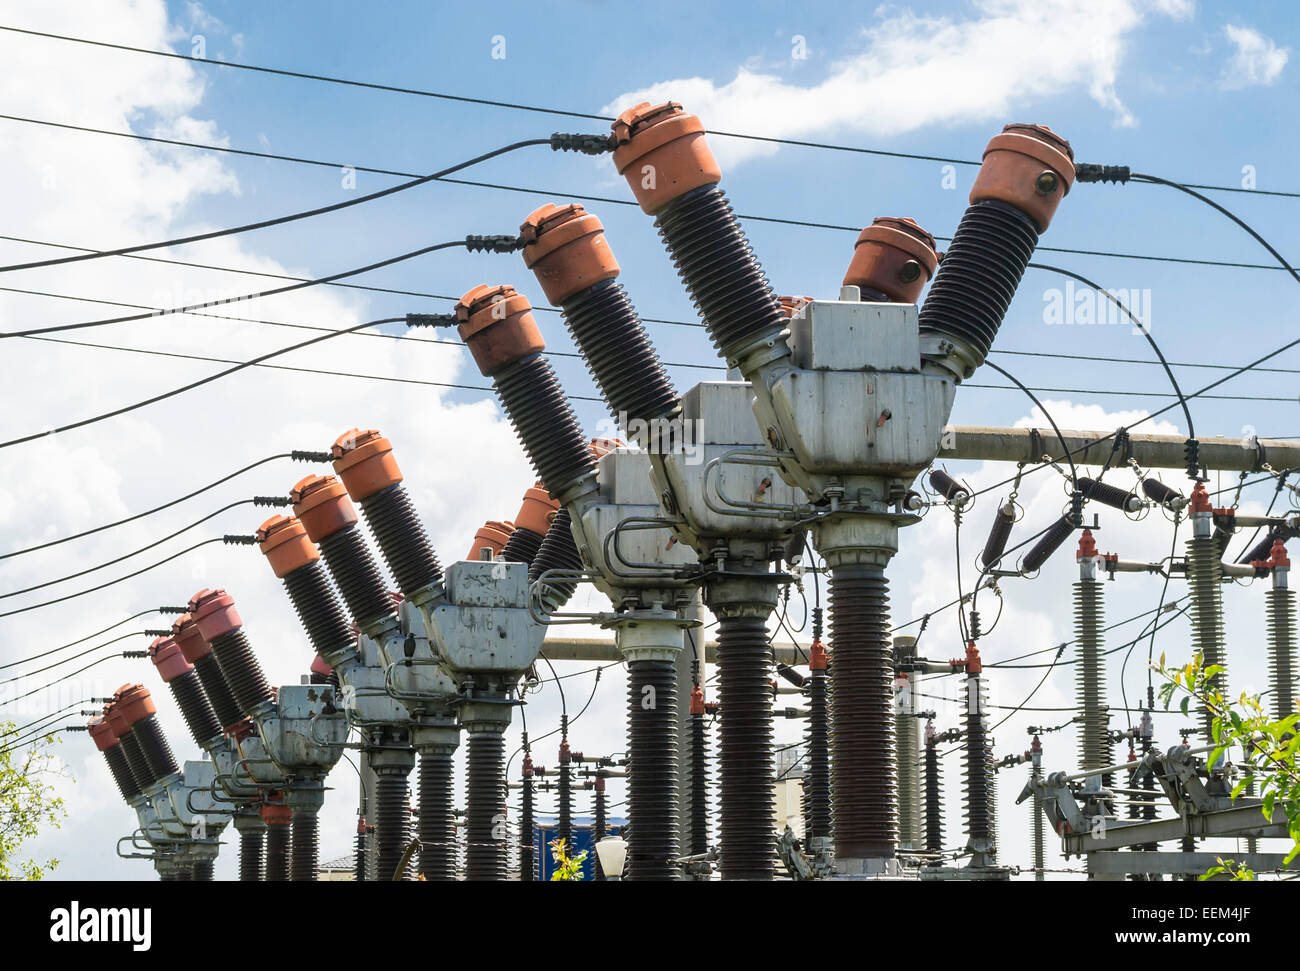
{"x":1269,"y":746}
{"x":566,"y":867}
{"x":27,"y":802}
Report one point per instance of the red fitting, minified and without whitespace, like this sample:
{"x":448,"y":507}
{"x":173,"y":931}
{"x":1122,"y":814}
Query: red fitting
{"x":320,"y":666}
{"x":791,"y":305}
{"x":565,"y":247}
{"x":1087,"y":546}
{"x":1036,"y":745}
{"x":168,"y":658}
{"x":498,"y":326}
{"x":537,"y":510}
{"x":241,"y":730}
{"x":565,"y":752}
{"x":1029,"y":167}
{"x":817,"y":656}
{"x":697,"y":701}
{"x":492,"y":534}
{"x":364,"y":461}
{"x":132,"y":703}
{"x":662,"y":153}
{"x":214,"y":613}
{"x":321,"y":503}
{"x":973,"y":665}
{"x":599,"y":784}
{"x":603,"y":446}
{"x":286,"y":545}
{"x":1200,"y":501}
{"x":276,"y":814}
{"x":191,"y":642}
{"x":1278,"y":555}
{"x":528,"y":767}
{"x":894,"y":256}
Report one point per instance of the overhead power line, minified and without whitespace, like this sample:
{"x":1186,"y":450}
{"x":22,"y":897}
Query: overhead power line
{"x":535,"y":109}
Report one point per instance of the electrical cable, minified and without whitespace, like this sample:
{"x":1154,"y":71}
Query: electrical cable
{"x":279,"y":220}
{"x":70,"y":657}
{"x":82,"y":640}
{"x":58,"y":714}
{"x":73,"y":674}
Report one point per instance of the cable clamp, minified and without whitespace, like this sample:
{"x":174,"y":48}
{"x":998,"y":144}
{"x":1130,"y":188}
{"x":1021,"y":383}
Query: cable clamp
{"x":430,"y":320}
{"x":500,"y":243}
{"x":239,"y":540}
{"x":300,"y":455}
{"x":586,"y":144}
{"x":1092,"y":172}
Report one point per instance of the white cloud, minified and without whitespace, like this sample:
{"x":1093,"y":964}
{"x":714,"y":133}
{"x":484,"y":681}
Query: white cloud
{"x":916,"y":70}
{"x":1256,"y":59}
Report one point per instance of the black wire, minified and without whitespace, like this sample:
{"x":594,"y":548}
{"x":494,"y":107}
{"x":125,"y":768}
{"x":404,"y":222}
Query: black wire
{"x":70,"y":657}
{"x":80,"y":640}
{"x":161,"y":312}
{"x":536,"y":109}
{"x":150,"y":512}
{"x":127,"y":556}
{"x":45,"y":731}
{"x":1074,"y":473}
{"x":197,"y":384}
{"x":82,"y":593}
{"x":72,"y":674}
{"x":1191,"y":429}
{"x":606,"y":200}
{"x":1007,"y":663}
{"x":44,"y":718}
{"x":279,"y":220}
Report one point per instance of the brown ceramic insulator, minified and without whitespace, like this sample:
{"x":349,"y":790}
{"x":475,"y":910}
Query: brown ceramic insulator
{"x":286,"y":545}
{"x":497,"y":324}
{"x":894,"y":257}
{"x":364,"y":461}
{"x":537,"y":510}
{"x":322,"y":505}
{"x":214,"y":613}
{"x":491,"y":535}
{"x":191,"y":642}
{"x":132,"y":703}
{"x":1029,"y":167}
{"x":168,"y":658}
{"x":565,"y":247}
{"x":101,"y":733}
{"x":663,"y":153}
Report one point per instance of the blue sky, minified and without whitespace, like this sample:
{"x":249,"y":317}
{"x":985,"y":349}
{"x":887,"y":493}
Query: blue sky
{"x":1193,"y":91}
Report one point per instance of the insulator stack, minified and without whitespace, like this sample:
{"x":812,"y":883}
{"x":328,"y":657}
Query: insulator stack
{"x":696,"y":222}
{"x":497,"y":324}
{"x":862,"y":705}
{"x":564,"y":816}
{"x":980,"y":795}
{"x":907,"y":730}
{"x":567,"y":250}
{"x":527,"y":856}
{"x":359,"y":857}
{"x":203,"y":870}
{"x":1204,"y":583}
{"x":599,"y":826}
{"x":1281,"y":625}
{"x":652,"y":779}
{"x":522,"y":546}
{"x":996,"y":544}
{"x":747,"y":799}
{"x":322,"y":505}
{"x":133,"y":717}
{"x":490,"y":540}
{"x":296,"y":561}
{"x":392,"y":822}
{"x":893,"y":259}
{"x":186,"y":689}
{"x":557,"y":552}
{"x":436,"y":826}
{"x":306,"y":847}
{"x":1090,"y":669}
{"x":1027,"y":170}
{"x":106,"y":740}
{"x":531,"y":525}
{"x":199,"y":653}
{"x":1157,"y":491}
{"x":220,"y":624}
{"x":485,"y":857}
{"x":1262,"y":549}
{"x":1051,"y":541}
{"x":1109,"y":495}
{"x":278,"y":822}
{"x":1038,"y":828}
{"x":817,"y":774}
{"x":250,"y":855}
{"x":364,"y":461}
{"x":948,"y":487}
{"x":933,"y":798}
{"x":699,"y":794}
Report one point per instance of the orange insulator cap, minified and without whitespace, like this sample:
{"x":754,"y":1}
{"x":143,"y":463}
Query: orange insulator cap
{"x":214,"y":613}
{"x":493,"y":535}
{"x":1277,"y":556}
{"x":190,"y":641}
{"x":115,"y":720}
{"x":697,"y":701}
{"x":817,"y":656}
{"x":565,"y":247}
{"x":894,"y":256}
{"x":286,"y":545}
{"x":364,"y":461}
{"x":662,"y":153}
{"x":101,"y":732}
{"x":168,"y":659}
{"x":1087,"y":545}
{"x":537,"y":510}
{"x":498,"y":326}
{"x":320,"y":666}
{"x":132,"y":703}
{"x":1200,"y":500}
{"x":1029,"y":167}
{"x":603,"y":446}
{"x":973,"y":663}
{"x":323,"y":506}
